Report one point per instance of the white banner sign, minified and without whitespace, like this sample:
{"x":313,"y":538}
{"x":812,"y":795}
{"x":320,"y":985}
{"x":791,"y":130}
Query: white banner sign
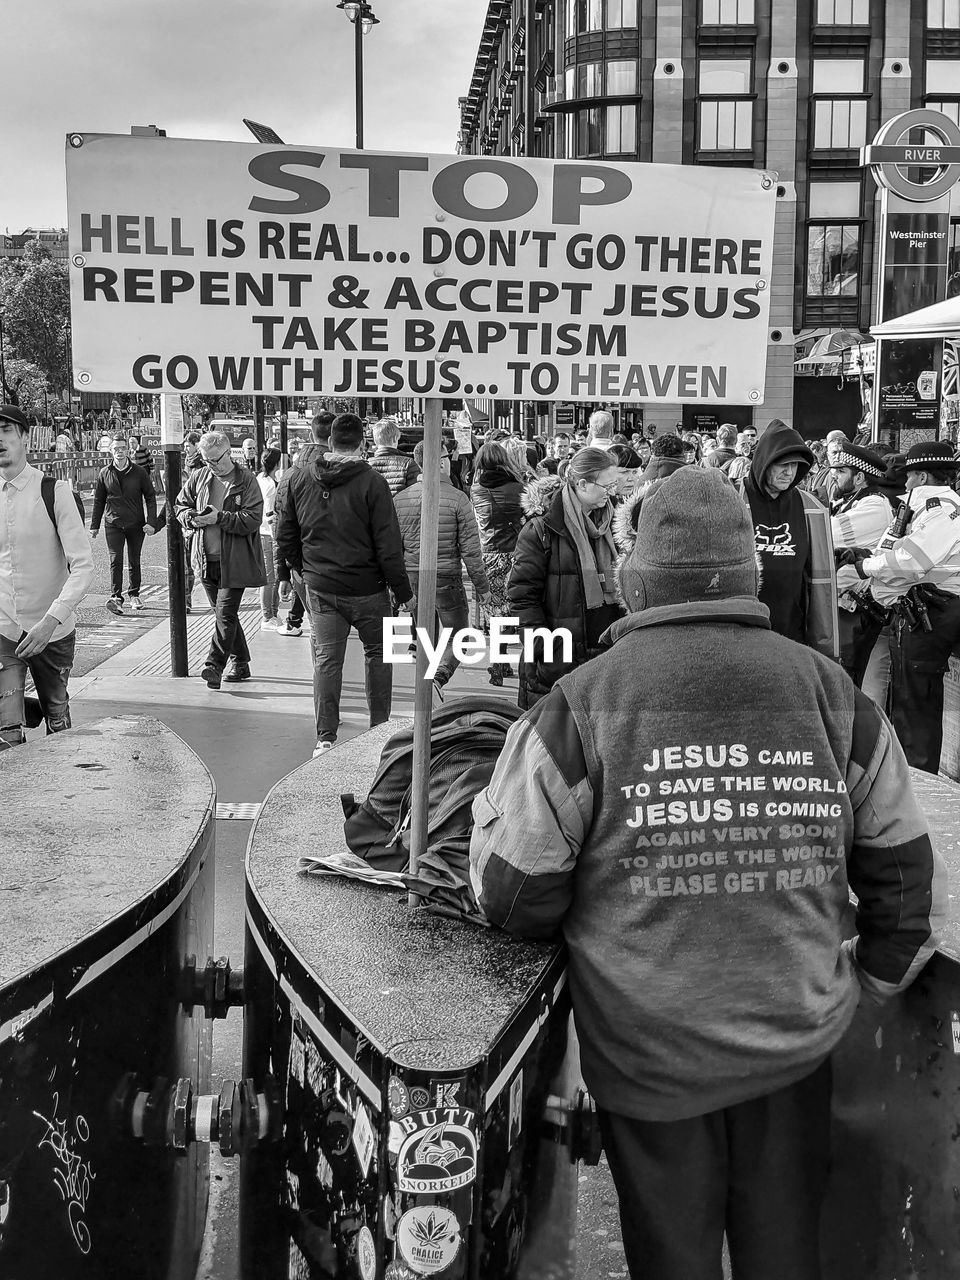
{"x":225,"y":267}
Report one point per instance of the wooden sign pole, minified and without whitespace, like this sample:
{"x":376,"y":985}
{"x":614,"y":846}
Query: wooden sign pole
{"x":426,"y":613}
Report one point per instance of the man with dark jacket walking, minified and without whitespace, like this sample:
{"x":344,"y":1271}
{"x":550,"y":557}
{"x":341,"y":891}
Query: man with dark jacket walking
{"x":221,"y":506}
{"x":316,"y":448}
{"x":338,"y":529}
{"x":458,"y":539}
{"x":708,"y":977}
{"x":125,"y":501}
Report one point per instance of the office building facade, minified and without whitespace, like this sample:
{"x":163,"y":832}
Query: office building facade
{"x":796,"y":87}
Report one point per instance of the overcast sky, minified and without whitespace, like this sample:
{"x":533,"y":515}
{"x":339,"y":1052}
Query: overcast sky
{"x":198,"y":67}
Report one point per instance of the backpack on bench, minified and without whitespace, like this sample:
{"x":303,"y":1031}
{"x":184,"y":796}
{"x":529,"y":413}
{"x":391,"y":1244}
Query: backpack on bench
{"x":466,"y":739}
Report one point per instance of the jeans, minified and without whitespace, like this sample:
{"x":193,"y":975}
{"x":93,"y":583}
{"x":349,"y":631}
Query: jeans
{"x":298,"y":606}
{"x":453,"y":612}
{"x":270,"y":591}
{"x":228,"y":640}
{"x":50,"y":670}
{"x":331,"y":619}
{"x":117,"y":539}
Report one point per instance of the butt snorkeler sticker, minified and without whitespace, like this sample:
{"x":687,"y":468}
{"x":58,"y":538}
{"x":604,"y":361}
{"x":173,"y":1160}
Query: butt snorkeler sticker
{"x":439,"y":1151}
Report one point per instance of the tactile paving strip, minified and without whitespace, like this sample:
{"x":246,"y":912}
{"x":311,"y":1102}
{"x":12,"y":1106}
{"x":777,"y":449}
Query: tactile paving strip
{"x":238,"y":812}
{"x":199,"y":628}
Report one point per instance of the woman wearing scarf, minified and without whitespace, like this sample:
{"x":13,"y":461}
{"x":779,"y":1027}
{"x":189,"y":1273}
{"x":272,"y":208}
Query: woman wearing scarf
{"x":495,"y":494}
{"x":563,"y":569}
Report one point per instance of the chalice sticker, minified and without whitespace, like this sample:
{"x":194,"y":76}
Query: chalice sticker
{"x":428,"y":1238}
{"x":439,"y":1151}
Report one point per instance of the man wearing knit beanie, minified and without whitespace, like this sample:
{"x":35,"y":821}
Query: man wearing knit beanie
{"x":663,"y":826}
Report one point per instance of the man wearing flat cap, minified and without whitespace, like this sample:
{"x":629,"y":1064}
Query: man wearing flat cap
{"x":862,"y":515}
{"x":647,"y":821}
{"x":916,"y":571}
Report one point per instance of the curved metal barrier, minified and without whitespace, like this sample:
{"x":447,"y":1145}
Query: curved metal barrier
{"x":431,"y":1123}
{"x":106,"y":871}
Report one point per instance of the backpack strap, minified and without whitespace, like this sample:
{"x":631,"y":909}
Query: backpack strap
{"x":48,"y":491}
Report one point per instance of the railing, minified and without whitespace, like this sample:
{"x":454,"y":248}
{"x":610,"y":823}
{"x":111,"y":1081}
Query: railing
{"x":82,"y":469}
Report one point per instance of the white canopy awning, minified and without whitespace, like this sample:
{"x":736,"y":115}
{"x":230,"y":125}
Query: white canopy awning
{"x":942,"y":320}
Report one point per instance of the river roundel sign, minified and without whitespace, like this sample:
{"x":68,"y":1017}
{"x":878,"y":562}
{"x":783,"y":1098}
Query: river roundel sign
{"x":891,"y":159}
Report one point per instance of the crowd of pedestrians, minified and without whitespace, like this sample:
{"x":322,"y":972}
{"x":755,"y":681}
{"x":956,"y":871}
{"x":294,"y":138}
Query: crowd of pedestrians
{"x":858,"y":550}
{"x":539,"y":527}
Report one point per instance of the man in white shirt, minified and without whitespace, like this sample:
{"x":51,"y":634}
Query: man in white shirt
{"x":45,"y":570}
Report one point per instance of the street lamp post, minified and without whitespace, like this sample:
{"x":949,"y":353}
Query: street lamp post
{"x":364,"y":20}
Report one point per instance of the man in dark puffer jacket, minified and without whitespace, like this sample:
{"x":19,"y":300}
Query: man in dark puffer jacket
{"x":398,"y":469}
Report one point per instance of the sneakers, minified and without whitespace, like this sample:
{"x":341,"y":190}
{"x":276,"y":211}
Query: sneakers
{"x":237,"y":671}
{"x":285,"y":629}
{"x":135,"y":605}
{"x":211,"y":674}
{"x":323,"y":745}
{"x":114,"y":605}
{"x":270,"y":624}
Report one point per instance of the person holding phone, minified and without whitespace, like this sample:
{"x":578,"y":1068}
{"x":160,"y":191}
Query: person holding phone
{"x":221,"y":504}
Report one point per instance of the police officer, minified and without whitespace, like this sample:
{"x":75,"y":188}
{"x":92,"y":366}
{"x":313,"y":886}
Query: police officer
{"x":916,"y":569}
{"x":861,"y":517}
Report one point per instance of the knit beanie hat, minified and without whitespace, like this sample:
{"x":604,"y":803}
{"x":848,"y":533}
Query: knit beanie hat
{"x":694,"y":542}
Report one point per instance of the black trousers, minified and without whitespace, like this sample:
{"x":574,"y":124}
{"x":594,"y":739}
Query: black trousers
{"x":858,"y":635}
{"x":228,"y":640}
{"x":757,"y":1171}
{"x":117,"y":539}
{"x":918,"y":662}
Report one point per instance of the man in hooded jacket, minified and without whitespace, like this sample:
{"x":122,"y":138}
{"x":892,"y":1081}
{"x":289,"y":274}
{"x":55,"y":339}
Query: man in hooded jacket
{"x":338,"y":529}
{"x":794,"y":544}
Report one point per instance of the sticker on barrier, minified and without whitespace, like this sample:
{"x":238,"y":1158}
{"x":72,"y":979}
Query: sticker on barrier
{"x":428,"y":1238}
{"x":439,"y":1151}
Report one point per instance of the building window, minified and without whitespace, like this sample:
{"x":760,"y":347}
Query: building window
{"x":622,"y":77}
{"x":943,"y":15}
{"x":727,"y":13}
{"x":602,"y":131}
{"x":584,"y":15}
{"x":725,"y":115}
{"x":949,"y":107}
{"x":838,"y":122}
{"x":725,"y":125}
{"x":621,"y":135}
{"x":623,"y":13}
{"x":833,"y":240}
{"x":943,"y":77}
{"x":844,"y":13}
{"x":585,"y":132}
